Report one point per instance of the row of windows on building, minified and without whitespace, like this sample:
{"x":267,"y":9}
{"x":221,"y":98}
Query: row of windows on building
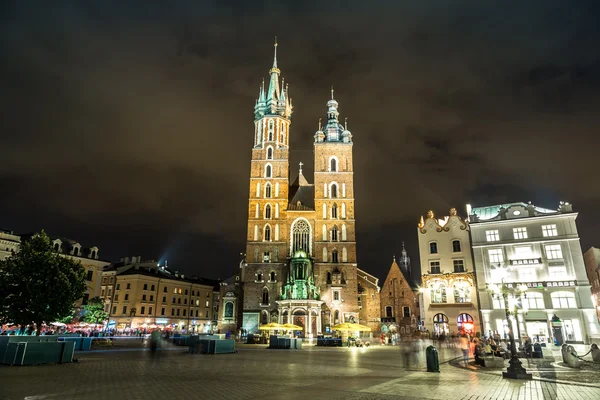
{"x":535,"y":301}
{"x":333,"y":256}
{"x":456,"y":247}
{"x":461,"y":291}
{"x":332,"y":164}
{"x":175,"y":312}
{"x":333,"y":235}
{"x":329,"y":190}
{"x":270,"y":212}
{"x":76,"y":251}
{"x":435,"y":268}
{"x":389,"y":312}
{"x":553,"y":252}
{"x":521,"y":233}
{"x":270,"y":135}
{"x":176,"y":290}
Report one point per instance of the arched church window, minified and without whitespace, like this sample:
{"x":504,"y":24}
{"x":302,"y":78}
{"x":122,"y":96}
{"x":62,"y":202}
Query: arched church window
{"x":334,"y":234}
{"x":344,"y":232}
{"x":333,"y":165}
{"x":268,"y":191}
{"x":328,"y":277}
{"x":301,"y":236}
{"x":269,"y":153}
{"x":268,"y":171}
{"x":334,"y":256}
{"x":324,"y":254}
{"x":333,"y":191}
{"x":264,"y":317}
{"x":271,"y":127}
{"x":267,"y":236}
{"x":268,"y":211}
{"x":334,"y":213}
{"x":228,"y":310}
{"x":265,"y":296}
{"x":272,"y":275}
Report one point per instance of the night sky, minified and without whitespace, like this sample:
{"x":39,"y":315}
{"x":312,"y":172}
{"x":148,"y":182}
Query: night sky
{"x":129,"y":125}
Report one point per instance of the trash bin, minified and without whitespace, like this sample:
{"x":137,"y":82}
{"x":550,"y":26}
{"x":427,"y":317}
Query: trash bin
{"x":433,"y":362}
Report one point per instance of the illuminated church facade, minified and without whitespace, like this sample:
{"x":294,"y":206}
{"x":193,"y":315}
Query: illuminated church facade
{"x":300,"y":265}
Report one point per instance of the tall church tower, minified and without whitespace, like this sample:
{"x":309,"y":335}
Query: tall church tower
{"x":335,"y":241}
{"x":269,"y":173}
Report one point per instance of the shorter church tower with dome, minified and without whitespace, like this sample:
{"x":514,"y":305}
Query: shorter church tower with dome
{"x":300,"y":264}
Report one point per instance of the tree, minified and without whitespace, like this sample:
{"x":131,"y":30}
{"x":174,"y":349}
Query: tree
{"x":39,"y":285}
{"x":93,"y":311}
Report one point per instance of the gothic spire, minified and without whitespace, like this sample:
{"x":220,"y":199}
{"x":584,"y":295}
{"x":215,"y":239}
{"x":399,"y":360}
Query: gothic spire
{"x":273,"y":93}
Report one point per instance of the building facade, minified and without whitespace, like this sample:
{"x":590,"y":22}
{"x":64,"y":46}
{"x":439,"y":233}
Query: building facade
{"x":9,"y":244}
{"x":591,"y":259}
{"x":89,"y":259}
{"x":448,"y":289}
{"x":301,"y":262}
{"x":538,"y":250}
{"x":398,"y":299}
{"x":145,"y":294}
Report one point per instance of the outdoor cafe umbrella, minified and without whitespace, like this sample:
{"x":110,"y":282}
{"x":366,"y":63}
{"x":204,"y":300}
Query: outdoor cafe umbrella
{"x":291,"y":327}
{"x":273,"y":326}
{"x":350,"y":327}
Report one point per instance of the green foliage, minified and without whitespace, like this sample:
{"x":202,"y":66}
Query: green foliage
{"x":39,"y":285}
{"x":93,"y":311}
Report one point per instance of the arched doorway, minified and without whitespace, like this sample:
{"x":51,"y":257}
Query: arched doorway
{"x":299,"y":318}
{"x":465,"y":324}
{"x":440,"y":324}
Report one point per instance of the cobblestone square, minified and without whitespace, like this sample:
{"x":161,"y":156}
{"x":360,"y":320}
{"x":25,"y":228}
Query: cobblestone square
{"x":259,"y":373}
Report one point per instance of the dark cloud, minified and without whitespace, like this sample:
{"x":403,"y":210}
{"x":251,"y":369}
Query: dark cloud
{"x":129,"y":125}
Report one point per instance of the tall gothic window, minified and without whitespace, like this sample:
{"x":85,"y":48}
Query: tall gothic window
{"x":267,"y":233}
{"x":265,"y":296}
{"x":334,"y":211}
{"x":300,"y":236}
{"x":268,"y":171}
{"x":268,"y":190}
{"x":228,"y":310}
{"x":268,"y":212}
{"x":333,"y":165}
{"x":334,"y":234}
{"x":334,"y":256}
{"x":271,"y":130}
{"x":269,"y":153}
{"x":334,"y":191}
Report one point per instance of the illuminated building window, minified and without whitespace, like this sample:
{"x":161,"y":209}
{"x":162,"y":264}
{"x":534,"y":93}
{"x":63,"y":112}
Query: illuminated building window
{"x":496,"y":255}
{"x":533,"y":300}
{"x":459,"y":265}
{"x":520,"y":233}
{"x":557,"y":273}
{"x":433,"y":249}
{"x":549,"y":230}
{"x":563,"y":300}
{"x":456,"y":246}
{"x":438,"y":293}
{"x":492,"y":236}
{"x":553,"y":252}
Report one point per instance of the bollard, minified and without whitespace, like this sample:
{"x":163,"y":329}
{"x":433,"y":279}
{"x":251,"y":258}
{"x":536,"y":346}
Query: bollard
{"x":433,"y":362}
{"x":573,"y":360}
{"x":595,"y":353}
{"x":563,"y":352}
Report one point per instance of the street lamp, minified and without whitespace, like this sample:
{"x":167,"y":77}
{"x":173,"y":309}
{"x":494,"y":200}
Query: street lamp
{"x":515,"y":369}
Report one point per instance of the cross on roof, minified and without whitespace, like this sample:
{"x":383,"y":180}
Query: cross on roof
{"x":301,"y":164}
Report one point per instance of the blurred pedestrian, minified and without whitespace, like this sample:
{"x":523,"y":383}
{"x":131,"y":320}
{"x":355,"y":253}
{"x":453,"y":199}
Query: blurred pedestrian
{"x":464,"y":346}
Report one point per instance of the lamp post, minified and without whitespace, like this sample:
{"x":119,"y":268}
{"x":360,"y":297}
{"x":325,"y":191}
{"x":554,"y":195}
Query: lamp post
{"x":515,"y":369}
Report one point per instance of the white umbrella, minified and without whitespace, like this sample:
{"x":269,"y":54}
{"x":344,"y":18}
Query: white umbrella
{"x":58,"y":324}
